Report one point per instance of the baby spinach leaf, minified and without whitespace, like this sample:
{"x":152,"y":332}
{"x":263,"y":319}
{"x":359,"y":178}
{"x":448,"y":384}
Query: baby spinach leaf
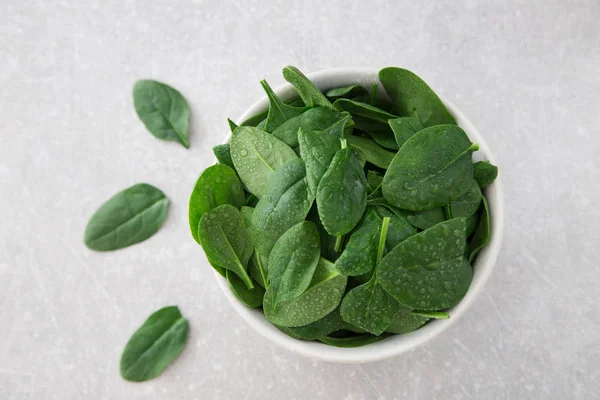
{"x":374,"y":153}
{"x":427,"y":219}
{"x":257,"y":265}
{"x":485,"y":173}
{"x":374,"y":181}
{"x":352,"y":341}
{"x":223,"y":154}
{"x":309,"y":93}
{"x":232,"y":125}
{"x":317,"y":151}
{"x":286,"y":202}
{"x":163,"y":110}
{"x":399,"y":229}
{"x":256,"y":119}
{"x":347,"y":92}
{"x":279,"y":112}
{"x":342,"y":193}
{"x":256,"y":154}
{"x":217,"y":185}
{"x":316,"y":119}
{"x":293,"y":261}
{"x":384,"y":138}
{"x":328,"y":324}
{"x":373,"y":98}
{"x":404,"y":128}
{"x":357,"y":109}
{"x":428,"y":271}
{"x":404,"y":322}
{"x":431,"y":169}
{"x":250,"y":297}
{"x":412,"y":97}
{"x":467,"y":204}
{"x":322,"y":297}
{"x":481,"y":236}
{"x":154,"y":345}
{"x":472,"y":223}
{"x":369,"y":307}
{"x":225,"y":240}
{"x":360,"y":254}
{"x":129,"y":217}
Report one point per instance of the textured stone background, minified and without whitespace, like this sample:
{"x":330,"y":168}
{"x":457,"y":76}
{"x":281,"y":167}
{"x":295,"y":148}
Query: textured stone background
{"x":526,"y":73}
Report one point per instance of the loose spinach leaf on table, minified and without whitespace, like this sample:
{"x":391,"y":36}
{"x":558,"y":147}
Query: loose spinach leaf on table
{"x":374,"y":153}
{"x":225,"y":240}
{"x":431,"y":169}
{"x":309,"y":93}
{"x":250,"y":297}
{"x":217,"y":185}
{"x":279,"y":112}
{"x":256,"y":154}
{"x":485,"y":173}
{"x":317,"y":151}
{"x":223,"y":154}
{"x":321,"y":119}
{"x":342,"y":193}
{"x":287,"y":200}
{"x":154,"y":345}
{"x":293,"y":261}
{"x":404,"y":128}
{"x":322,"y":297}
{"x":163,"y":110}
{"x":412,"y":97}
{"x":346,"y":92}
{"x":129,"y":217}
{"x":428,"y":271}
{"x":481,"y":236}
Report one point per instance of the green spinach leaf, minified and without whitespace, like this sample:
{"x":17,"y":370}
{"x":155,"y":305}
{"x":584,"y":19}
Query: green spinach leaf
{"x":360,"y":254}
{"x":485,"y":173}
{"x":252,"y":298}
{"x":279,"y":112}
{"x":129,"y":217}
{"x":347,"y":92}
{"x":217,"y":185}
{"x":352,"y":341}
{"x":163,"y":110}
{"x":427,"y":219}
{"x":357,"y":109}
{"x":225,"y":240}
{"x":374,"y":153}
{"x":404,"y":322}
{"x":384,"y":138}
{"x":399,"y":229}
{"x":428,"y":271}
{"x":322,"y":297}
{"x":256,"y":154}
{"x":412,"y":97}
{"x":232,"y":125}
{"x":328,"y":324}
{"x":154,"y":345}
{"x":223,"y":154}
{"x":404,"y":128}
{"x":293,"y":261}
{"x":431,"y":169}
{"x":309,"y":93}
{"x":286,"y":202}
{"x":467,"y":204}
{"x":317,"y":151}
{"x":321,"y":119}
{"x":342,"y":193}
{"x":481,"y":236}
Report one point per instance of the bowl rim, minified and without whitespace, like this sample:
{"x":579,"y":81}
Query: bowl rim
{"x":394,"y":345}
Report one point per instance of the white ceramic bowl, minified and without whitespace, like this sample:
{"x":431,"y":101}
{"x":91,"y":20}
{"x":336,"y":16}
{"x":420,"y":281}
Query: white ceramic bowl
{"x":395,"y":344}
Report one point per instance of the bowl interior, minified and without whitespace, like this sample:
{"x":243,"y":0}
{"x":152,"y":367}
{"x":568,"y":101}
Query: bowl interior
{"x":395,"y":344}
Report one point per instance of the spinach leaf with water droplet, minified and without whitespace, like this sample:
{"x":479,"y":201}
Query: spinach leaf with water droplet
{"x":346,"y":92}
{"x":431,"y":169}
{"x":217,"y":185}
{"x":342,"y":193}
{"x":412,"y":97}
{"x":427,"y":219}
{"x":467,"y":204}
{"x":309,"y":93}
{"x":404,"y":322}
{"x":252,"y":298}
{"x":319,"y":119}
{"x":223,"y":154}
{"x":279,"y":112}
{"x":256,"y":154}
{"x":225,"y":240}
{"x":428,"y":271}
{"x":404,"y":128}
{"x":352,"y":341}
{"x":485,"y":173}
{"x":374,"y":153}
{"x":317,"y":151}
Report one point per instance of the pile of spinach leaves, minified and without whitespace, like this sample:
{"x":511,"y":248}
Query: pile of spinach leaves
{"x":346,"y":216}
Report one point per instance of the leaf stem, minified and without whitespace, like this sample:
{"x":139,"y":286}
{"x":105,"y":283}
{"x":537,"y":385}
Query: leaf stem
{"x":338,"y":243}
{"x":374,"y":93}
{"x":344,"y":144}
{"x":383,"y":235}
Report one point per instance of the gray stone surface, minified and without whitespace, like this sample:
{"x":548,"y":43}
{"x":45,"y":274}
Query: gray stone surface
{"x":526,"y":73}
